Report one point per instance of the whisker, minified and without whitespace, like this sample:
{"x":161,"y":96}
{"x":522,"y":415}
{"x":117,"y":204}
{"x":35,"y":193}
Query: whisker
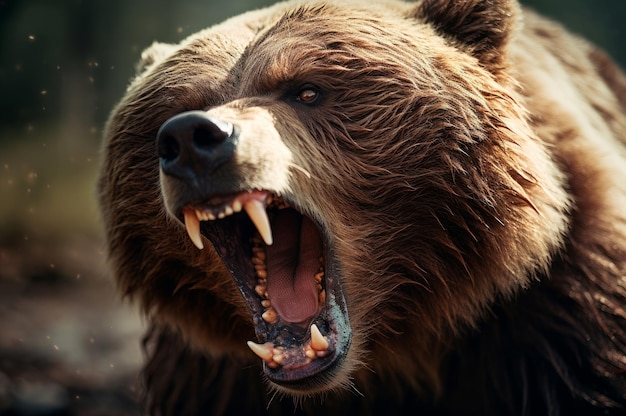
{"x":301,"y":169}
{"x":269,"y":402}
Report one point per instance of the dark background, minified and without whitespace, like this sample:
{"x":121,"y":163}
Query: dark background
{"x":67,"y":61}
{"x":68,"y":345}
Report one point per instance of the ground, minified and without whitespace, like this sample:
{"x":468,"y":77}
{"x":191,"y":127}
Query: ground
{"x":69,"y":344}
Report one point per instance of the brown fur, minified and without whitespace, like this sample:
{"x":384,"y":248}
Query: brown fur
{"x":467,"y":160}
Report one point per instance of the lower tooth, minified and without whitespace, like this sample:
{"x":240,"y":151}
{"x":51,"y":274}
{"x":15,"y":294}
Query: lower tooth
{"x":322,"y":297}
{"x":270,"y":316}
{"x":310,"y":353}
{"x":318,"y":342}
{"x":261,"y":290}
{"x":263,"y":351}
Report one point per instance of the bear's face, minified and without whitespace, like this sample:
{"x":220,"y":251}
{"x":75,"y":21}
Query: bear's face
{"x":343,"y":172}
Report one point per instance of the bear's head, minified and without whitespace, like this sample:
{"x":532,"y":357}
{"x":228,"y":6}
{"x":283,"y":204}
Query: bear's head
{"x":349,"y":185}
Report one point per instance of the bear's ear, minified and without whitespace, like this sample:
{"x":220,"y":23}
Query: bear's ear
{"x":153,"y":53}
{"x":482,"y":27}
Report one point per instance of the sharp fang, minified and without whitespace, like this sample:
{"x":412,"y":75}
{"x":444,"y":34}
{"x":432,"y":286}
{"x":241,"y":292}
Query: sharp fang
{"x":264,"y":351}
{"x":318,"y":342}
{"x":256,"y":211}
{"x":192,"y":224}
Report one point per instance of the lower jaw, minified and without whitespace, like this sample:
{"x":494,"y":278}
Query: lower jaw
{"x":290,"y":359}
{"x":302,"y":356}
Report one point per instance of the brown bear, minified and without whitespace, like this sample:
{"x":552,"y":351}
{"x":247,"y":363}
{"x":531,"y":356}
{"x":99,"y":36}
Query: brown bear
{"x":343,"y":207}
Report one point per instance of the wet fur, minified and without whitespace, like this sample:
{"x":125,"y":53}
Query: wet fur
{"x":483,"y":248}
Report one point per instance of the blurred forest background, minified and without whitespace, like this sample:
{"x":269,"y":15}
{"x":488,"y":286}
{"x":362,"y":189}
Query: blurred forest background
{"x":68,"y":345}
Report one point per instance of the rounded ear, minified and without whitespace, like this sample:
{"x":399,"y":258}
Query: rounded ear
{"x":152,"y":54}
{"x":481,"y":27}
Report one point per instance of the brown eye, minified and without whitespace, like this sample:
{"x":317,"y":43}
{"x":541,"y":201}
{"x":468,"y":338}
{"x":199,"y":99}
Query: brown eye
{"x":308,"y":95}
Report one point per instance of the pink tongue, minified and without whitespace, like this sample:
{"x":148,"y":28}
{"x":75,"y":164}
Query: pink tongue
{"x":292,"y":262}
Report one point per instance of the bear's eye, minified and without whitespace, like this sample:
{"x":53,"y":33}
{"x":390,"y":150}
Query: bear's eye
{"x":308,"y":94}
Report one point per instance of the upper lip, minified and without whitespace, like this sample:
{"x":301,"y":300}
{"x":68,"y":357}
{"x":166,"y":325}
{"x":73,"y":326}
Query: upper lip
{"x":254,"y":203}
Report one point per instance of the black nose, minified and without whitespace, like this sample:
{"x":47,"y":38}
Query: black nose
{"x":192,"y":144}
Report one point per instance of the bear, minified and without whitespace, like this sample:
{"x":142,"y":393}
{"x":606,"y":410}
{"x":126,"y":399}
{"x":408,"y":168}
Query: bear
{"x":357,"y":207}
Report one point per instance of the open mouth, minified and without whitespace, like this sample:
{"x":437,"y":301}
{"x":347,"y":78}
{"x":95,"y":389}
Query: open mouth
{"x":283,"y":265}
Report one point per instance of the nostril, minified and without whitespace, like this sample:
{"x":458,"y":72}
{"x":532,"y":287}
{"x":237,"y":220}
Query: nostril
{"x":169,"y":149}
{"x":192,"y":144}
{"x":210,"y":133}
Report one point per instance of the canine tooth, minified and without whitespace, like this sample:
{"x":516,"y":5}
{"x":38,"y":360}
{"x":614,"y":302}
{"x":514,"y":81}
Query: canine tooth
{"x":270,"y":316}
{"x":192,"y":224}
{"x":237,"y":206}
{"x":318,"y":342}
{"x":264,"y":351}
{"x":256,"y":211}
